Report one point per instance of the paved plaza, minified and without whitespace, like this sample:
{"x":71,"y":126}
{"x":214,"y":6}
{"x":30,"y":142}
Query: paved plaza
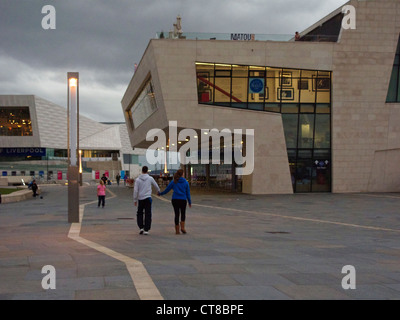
{"x":237,"y":247}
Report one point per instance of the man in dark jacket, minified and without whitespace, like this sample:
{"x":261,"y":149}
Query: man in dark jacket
{"x":34,"y":188}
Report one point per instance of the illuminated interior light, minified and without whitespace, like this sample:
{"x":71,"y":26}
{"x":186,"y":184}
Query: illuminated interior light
{"x":305,"y":130}
{"x":80,"y":161}
{"x":257,"y":68}
{"x":204,"y":64}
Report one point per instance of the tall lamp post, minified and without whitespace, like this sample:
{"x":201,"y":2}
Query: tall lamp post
{"x":73,"y":147}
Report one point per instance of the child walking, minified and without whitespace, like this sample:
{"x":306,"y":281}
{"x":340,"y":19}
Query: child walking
{"x":101,"y":194}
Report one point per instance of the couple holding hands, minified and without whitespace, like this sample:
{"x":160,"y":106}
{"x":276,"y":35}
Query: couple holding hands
{"x":142,"y":195}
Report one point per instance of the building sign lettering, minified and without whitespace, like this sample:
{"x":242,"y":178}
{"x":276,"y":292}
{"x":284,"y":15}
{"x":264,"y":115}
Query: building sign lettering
{"x":22,"y":152}
{"x":243,"y":36}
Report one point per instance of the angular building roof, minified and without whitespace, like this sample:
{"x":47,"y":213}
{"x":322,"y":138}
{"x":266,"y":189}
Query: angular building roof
{"x":50,"y":127}
{"x":53,"y":130}
{"x":53,"y":127}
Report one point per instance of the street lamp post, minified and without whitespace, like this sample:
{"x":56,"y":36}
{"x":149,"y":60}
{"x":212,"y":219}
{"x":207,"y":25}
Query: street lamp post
{"x":73,"y":147}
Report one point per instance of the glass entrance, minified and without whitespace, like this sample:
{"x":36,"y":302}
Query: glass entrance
{"x":321,"y":178}
{"x":310,"y":170}
{"x":304,"y":171}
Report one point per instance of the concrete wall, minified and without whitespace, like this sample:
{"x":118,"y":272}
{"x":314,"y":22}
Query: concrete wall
{"x":385,"y":171}
{"x":18,"y":196}
{"x":146,"y":70}
{"x":363,"y":125}
{"x":3,"y":182}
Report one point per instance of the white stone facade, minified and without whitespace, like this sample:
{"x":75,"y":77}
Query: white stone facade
{"x":365,"y":129}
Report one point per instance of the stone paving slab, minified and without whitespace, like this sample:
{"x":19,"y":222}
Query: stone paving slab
{"x":238,"y":247}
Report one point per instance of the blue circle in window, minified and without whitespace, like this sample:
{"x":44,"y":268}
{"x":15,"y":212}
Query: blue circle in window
{"x":256,"y":85}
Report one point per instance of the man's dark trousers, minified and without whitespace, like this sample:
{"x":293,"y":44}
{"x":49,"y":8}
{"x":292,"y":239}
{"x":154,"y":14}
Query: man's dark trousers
{"x":144,"y":205}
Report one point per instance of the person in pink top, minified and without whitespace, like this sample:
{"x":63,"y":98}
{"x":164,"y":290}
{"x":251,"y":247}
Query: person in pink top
{"x":101,"y":193}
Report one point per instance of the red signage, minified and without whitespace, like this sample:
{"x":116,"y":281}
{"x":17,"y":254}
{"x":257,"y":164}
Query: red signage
{"x":59,"y":175}
{"x":106,"y":173}
{"x":97,"y":174}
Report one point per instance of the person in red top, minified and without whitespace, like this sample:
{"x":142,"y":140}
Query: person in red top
{"x":101,"y":193}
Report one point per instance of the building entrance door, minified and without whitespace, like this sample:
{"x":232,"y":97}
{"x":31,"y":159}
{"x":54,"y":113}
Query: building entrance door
{"x":310,"y":170}
{"x":303,"y":175}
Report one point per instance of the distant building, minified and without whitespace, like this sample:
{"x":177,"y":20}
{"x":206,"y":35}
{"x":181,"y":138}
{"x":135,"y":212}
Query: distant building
{"x":326,"y":117}
{"x":33,"y":141}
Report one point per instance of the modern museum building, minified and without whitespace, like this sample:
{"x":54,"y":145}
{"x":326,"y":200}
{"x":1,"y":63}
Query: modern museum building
{"x":33,"y":142}
{"x":324,"y":107}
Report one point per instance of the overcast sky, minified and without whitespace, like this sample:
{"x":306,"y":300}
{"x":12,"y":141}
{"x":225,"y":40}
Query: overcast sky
{"x":103,"y":39}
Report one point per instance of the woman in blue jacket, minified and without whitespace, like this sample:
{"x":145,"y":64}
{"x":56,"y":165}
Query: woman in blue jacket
{"x":180,"y":197}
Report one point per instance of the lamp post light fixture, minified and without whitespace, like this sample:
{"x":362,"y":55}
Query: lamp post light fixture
{"x":80,"y":168}
{"x":73,"y":146}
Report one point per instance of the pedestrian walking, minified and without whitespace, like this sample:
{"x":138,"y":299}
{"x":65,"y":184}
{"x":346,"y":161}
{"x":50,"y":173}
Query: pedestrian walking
{"x":180,"y":198}
{"x":101,"y":193}
{"x":142,"y":194}
{"x":118,"y":177}
{"x":104,"y":178}
{"x":34,"y":188}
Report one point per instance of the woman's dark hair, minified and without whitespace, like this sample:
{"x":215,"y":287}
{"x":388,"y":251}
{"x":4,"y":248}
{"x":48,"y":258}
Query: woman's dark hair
{"x":178,"y":175}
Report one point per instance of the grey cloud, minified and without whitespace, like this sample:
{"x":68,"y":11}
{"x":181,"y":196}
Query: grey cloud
{"x":102,"y":39}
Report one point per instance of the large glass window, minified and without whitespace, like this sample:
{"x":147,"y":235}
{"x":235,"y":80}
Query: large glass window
{"x":144,"y":106}
{"x":222,"y":93}
{"x":239,"y":91}
{"x":322,"y":139}
{"x":15,"y":121}
{"x":262,"y":88}
{"x":307,"y":87}
{"x":290,"y":122}
{"x":303,"y":97}
{"x":394,"y":85}
{"x":205,"y":83}
{"x":306,"y":131}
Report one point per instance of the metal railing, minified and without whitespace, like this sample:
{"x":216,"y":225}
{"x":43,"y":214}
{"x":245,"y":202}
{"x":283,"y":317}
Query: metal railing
{"x":245,"y":37}
{"x":225,"y":36}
